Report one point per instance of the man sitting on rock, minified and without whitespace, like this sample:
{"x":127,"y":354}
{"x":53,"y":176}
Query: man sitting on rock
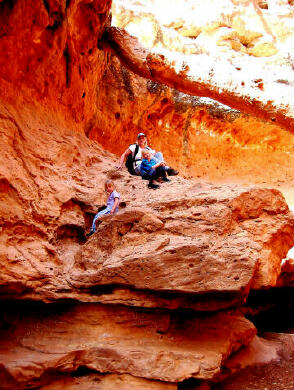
{"x":133,"y":154}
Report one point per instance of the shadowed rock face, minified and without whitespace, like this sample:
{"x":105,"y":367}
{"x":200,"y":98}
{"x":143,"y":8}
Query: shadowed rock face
{"x":108,"y":382}
{"x":154,"y":345}
{"x":49,"y":54}
{"x":187,"y":245}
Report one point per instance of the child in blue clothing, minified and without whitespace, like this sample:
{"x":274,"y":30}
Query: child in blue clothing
{"x":152,"y":170}
{"x":112,"y":204}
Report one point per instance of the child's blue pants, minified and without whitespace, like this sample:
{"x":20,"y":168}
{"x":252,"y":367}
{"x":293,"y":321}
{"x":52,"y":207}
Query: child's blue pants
{"x":98,"y":215}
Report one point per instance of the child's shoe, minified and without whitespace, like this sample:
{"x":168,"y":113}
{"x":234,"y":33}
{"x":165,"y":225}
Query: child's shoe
{"x":165,"y":179}
{"x":90,"y":233}
{"x":153,"y":186}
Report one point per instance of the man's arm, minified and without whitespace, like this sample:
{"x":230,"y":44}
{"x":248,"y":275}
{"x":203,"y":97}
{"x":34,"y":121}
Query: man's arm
{"x":123,"y":157}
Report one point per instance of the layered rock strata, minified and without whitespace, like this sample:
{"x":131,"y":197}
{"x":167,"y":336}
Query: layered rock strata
{"x":152,"y":345}
{"x":239,"y":234}
{"x":195,"y":42}
{"x":189,"y":245}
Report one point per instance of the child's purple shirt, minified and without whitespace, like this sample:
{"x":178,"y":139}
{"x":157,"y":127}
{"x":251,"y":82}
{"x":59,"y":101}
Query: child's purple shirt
{"x":111,"y":198}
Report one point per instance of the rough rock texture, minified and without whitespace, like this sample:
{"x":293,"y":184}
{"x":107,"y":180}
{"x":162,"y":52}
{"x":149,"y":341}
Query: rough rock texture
{"x":211,"y":140}
{"x":286,"y":277}
{"x":53,"y":74}
{"x":207,"y":244}
{"x":228,"y":28}
{"x":203,"y":76}
{"x":277,"y":374}
{"x":49,"y":55}
{"x":108,"y":382}
{"x":212,"y":239}
{"x":253,"y":43}
{"x":48,"y":198}
{"x":152,"y":345}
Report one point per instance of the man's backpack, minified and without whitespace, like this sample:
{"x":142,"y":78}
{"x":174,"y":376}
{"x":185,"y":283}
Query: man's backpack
{"x":130,"y":161}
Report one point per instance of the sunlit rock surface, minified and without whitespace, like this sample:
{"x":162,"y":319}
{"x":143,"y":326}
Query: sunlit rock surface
{"x":214,"y":27}
{"x":218,"y":68}
{"x":110,"y":305}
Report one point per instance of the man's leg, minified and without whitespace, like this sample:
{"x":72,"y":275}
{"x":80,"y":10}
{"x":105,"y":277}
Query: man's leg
{"x":137,"y":170}
{"x":152,"y":176}
{"x":158,"y":157}
{"x":161,"y":172}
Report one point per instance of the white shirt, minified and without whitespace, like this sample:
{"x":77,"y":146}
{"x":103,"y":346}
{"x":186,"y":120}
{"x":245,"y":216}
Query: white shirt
{"x":138,"y":157}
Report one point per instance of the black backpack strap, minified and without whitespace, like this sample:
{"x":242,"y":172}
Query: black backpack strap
{"x":135,"y":152}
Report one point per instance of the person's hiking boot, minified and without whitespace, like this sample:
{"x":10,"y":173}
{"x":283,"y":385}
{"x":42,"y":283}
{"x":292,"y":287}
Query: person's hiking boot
{"x":153,"y":186}
{"x":90,"y":233}
{"x":165,"y":179}
{"x":172,"y":172}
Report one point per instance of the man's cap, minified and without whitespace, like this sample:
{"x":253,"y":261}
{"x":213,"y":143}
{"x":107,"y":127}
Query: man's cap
{"x":141,"y":135}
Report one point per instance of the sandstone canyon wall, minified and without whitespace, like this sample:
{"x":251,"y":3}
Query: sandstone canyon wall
{"x":200,"y":137}
{"x":210,"y":140}
{"x":154,"y":299}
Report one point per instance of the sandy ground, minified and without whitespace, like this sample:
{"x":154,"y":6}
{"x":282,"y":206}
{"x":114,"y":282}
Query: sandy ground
{"x":276,"y":375}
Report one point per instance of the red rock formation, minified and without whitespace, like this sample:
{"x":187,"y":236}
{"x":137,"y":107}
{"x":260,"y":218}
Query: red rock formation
{"x":51,"y":181}
{"x":199,"y":137}
{"x":195,"y":77}
{"x":49,"y":54}
{"x":153,"y":345}
{"x":108,"y":382}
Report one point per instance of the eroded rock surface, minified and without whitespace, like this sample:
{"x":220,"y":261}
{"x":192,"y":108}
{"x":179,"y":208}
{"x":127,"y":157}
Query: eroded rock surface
{"x":108,"y":382}
{"x":213,"y":239}
{"x":189,"y":245}
{"x":185,"y":75}
{"x":207,"y":244}
{"x":238,"y":35}
{"x":153,"y":345}
{"x":44,"y":257}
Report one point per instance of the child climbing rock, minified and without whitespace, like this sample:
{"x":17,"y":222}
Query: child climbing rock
{"x":152,"y":170}
{"x":112,"y":204}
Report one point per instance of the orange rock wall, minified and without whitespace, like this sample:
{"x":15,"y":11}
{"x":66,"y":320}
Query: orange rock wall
{"x":202,"y":140}
{"x":56,"y":85}
{"x":49,"y":55}
{"x":54,"y":62}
